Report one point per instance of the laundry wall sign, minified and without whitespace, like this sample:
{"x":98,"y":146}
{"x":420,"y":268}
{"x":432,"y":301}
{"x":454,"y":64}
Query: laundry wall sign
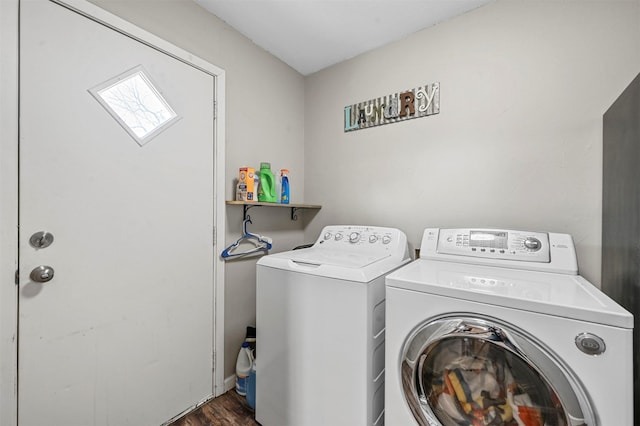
{"x":413,"y":103}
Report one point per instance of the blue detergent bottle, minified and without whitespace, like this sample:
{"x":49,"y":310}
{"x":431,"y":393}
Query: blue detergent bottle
{"x":284,"y":191}
{"x":243,"y":368}
{"x":251,"y":388}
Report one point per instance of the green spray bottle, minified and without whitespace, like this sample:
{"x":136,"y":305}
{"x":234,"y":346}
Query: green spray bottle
{"x":267,"y":189}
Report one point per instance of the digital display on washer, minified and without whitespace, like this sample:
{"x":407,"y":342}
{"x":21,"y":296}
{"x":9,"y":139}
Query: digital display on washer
{"x":489,"y":239}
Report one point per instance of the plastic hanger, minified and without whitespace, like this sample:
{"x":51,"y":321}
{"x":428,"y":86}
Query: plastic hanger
{"x":260,"y":242}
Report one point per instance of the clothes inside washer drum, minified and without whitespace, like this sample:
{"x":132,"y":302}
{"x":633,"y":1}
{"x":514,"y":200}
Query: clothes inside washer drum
{"x":489,"y":388}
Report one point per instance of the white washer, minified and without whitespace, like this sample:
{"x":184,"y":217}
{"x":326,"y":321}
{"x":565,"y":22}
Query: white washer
{"x":504,"y":312}
{"x":321,"y":331}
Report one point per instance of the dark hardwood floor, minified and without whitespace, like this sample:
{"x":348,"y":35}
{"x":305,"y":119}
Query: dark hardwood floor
{"x":229,"y":409}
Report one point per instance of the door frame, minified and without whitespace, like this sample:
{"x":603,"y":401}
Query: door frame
{"x":9,"y":144}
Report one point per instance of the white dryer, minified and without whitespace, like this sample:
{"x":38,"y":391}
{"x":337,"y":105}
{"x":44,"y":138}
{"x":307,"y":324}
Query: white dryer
{"x":321,"y":330}
{"x":495,"y":327}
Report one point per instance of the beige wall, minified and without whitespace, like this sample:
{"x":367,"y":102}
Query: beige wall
{"x":265,"y":118}
{"x":518,"y":141}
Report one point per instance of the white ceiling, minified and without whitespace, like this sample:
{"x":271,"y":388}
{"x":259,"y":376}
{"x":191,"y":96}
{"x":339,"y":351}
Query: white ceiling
{"x":310,"y":35}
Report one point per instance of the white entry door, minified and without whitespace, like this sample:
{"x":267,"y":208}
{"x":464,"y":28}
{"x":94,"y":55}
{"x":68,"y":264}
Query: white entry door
{"x":121,"y":330}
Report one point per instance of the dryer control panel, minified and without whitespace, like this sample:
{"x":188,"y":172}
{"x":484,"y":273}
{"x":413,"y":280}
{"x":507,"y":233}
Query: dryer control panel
{"x":495,"y":244}
{"x":501,"y":247}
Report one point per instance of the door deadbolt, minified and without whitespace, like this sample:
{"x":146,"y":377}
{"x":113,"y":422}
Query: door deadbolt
{"x":41,"y":274}
{"x":42,"y":239}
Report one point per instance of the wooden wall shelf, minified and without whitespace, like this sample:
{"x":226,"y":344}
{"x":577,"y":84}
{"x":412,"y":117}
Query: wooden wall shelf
{"x":294,"y":207}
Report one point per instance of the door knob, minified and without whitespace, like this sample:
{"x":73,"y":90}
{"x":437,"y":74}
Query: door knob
{"x":41,"y":274}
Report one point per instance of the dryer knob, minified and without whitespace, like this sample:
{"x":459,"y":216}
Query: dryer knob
{"x":354,"y":237}
{"x":338,"y":236}
{"x":386,"y":239}
{"x":327,"y":236}
{"x":532,"y":244}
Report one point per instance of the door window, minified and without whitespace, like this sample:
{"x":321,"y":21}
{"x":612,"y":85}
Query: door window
{"x":136,"y":104}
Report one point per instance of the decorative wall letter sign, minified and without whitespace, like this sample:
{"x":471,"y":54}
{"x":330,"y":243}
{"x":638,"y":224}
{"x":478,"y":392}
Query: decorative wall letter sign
{"x":400,"y":106}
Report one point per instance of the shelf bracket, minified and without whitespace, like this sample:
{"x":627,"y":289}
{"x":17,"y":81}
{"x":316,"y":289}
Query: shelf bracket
{"x":294,"y":210}
{"x":245,"y":210}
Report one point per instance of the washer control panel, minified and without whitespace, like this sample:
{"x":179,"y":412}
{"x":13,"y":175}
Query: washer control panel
{"x":494,"y":244}
{"x":357,"y":238}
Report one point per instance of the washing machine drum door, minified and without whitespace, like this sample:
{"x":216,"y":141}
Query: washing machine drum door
{"x":475,"y":371}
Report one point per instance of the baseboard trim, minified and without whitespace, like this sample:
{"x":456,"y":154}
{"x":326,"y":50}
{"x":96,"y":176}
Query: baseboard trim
{"x":230,"y":383}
